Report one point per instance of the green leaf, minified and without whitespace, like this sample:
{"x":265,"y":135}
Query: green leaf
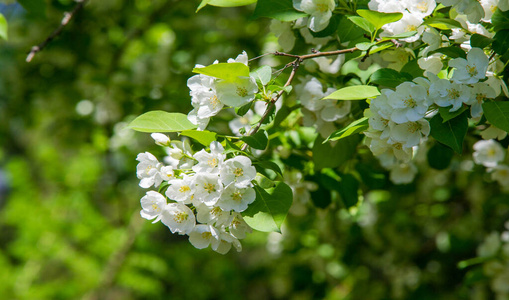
{"x":452,"y":52}
{"x":440,"y":156}
{"x":356,"y":92}
{"x":447,"y":115}
{"x":473,"y":261}
{"x":161,"y":121}
{"x":243,"y":109}
{"x":497,"y":113}
{"x":500,"y":20}
{"x":348,"y":189}
{"x":332,"y":156}
{"x":362,"y":23}
{"x":480,"y":41}
{"x":34,"y":7}
{"x":501,"y":42}
{"x":389,"y":77}
{"x":270,"y":208}
{"x":353,"y":128}
{"x":262,"y":74}
{"x":403,"y":35}
{"x":258,"y":140}
{"x":203,"y":137}
{"x":450,"y":133}
{"x":3,"y":27}
{"x":267,"y":164}
{"x":379,"y":19}
{"x":225,"y":3}
{"x":281,"y":10}
{"x":226,"y":71}
{"x":348,"y":31}
{"x":364,"y":46}
{"x":442,"y":23}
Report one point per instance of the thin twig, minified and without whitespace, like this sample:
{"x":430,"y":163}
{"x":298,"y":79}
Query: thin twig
{"x":65,"y":20}
{"x":296,"y":64}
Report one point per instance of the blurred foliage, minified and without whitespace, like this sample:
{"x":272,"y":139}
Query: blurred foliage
{"x":69,"y":197}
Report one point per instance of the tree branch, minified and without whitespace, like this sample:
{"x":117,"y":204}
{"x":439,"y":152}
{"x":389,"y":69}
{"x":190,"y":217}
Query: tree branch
{"x":296,"y":64}
{"x":65,"y":20}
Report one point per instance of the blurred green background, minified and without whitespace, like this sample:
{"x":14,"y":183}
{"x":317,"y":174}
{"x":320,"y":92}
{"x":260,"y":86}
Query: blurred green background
{"x":69,"y":196}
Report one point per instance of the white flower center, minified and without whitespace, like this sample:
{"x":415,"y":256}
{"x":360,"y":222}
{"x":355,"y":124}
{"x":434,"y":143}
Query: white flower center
{"x":180,"y":217}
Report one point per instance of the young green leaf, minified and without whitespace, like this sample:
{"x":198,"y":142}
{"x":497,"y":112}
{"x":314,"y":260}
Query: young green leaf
{"x":204,"y":137}
{"x":161,"y":121}
{"x":357,"y":92}
{"x":226,"y":71}
{"x":450,"y":133}
{"x":3,"y":27}
{"x":258,"y":140}
{"x":225,"y":3}
{"x":442,"y":23}
{"x":452,"y":52}
{"x":379,"y":19}
{"x":281,"y":10}
{"x":267,"y":164}
{"x":447,"y":115}
{"x":389,"y":77}
{"x":497,"y":113}
{"x":362,"y":23}
{"x":353,"y":128}
{"x":262,"y":74}
{"x":270,"y":208}
{"x":480,"y":41}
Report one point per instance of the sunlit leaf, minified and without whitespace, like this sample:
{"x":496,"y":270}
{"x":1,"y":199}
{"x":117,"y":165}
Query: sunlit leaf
{"x":357,"y":92}
{"x":161,"y":121}
{"x":226,"y":71}
{"x":270,"y":208}
{"x":204,"y":137}
{"x":497,"y":113}
{"x":379,"y":19}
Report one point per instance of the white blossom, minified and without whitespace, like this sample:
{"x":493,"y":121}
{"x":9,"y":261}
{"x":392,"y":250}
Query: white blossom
{"x":236,"y":93}
{"x":403,"y":173}
{"x":472,"y":69}
{"x":479,"y":93}
{"x":160,"y":139}
{"x":238,"y":227}
{"x":181,"y":190}
{"x":500,"y":174}
{"x":445,"y":93}
{"x":239,"y":171}
{"x":209,"y":162}
{"x":208,"y":188}
{"x":409,"y":103}
{"x":320,"y":12}
{"x":236,"y":199}
{"x":179,"y":218}
{"x":148,"y":170}
{"x":212,"y":215}
{"x":204,"y":235}
{"x":488,"y":153}
{"x":152,"y":205}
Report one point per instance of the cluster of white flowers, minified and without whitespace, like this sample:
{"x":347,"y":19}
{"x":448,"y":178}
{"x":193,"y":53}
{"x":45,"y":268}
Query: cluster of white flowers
{"x":397,"y":119}
{"x":203,"y":196}
{"x":209,"y":95}
{"x":490,"y":154}
{"x":318,"y":112}
{"x":495,"y":249}
{"x":320,"y":12}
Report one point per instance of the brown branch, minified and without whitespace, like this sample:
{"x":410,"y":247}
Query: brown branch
{"x":296,"y":64}
{"x":65,"y":20}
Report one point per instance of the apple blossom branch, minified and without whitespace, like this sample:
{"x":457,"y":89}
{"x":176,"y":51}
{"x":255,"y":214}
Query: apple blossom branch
{"x":295,"y":66}
{"x":65,"y":20}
